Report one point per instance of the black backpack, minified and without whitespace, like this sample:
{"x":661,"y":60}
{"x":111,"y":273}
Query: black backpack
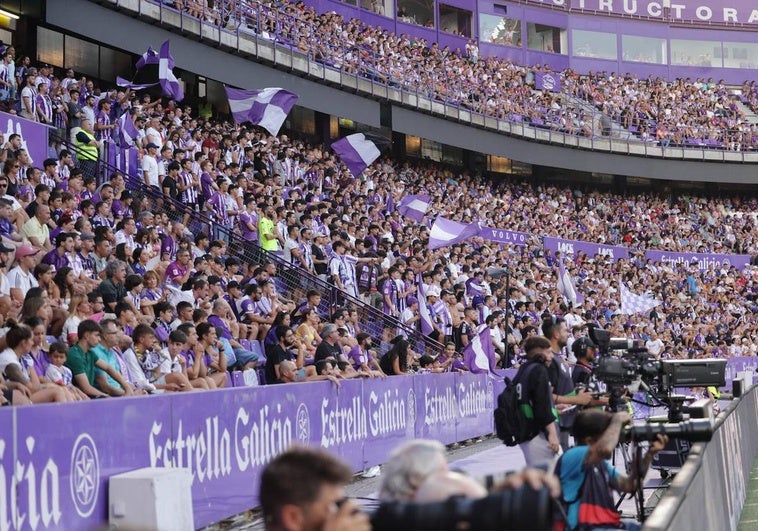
{"x":511,"y":424}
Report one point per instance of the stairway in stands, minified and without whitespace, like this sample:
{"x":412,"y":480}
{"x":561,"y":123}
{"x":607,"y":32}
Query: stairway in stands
{"x":292,"y":282}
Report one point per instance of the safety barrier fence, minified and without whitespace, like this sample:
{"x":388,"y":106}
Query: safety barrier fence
{"x":292,"y":282}
{"x":709,"y":491}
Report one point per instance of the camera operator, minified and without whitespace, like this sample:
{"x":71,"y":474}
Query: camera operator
{"x":587,"y":477}
{"x":536,"y":395}
{"x":302,"y":490}
{"x":585,"y":350}
{"x":564,"y":391}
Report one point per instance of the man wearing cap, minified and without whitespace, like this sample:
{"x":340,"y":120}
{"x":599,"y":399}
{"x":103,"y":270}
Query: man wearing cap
{"x":87,"y":149}
{"x":20,"y":278}
{"x":36,"y":229}
{"x":150,"y":165}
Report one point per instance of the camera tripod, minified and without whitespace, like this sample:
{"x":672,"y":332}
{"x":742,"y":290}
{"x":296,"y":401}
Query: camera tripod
{"x":628,"y":449}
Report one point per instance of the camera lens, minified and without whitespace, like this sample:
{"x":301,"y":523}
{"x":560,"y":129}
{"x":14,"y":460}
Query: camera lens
{"x":524,"y":508}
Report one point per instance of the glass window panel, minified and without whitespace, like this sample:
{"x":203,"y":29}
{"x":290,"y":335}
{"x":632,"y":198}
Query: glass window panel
{"x":380,"y":7}
{"x":49,"y":47}
{"x":499,"y":30}
{"x":456,"y":20}
{"x":643,"y":49}
{"x":431,"y":150}
{"x":82,"y":56}
{"x":412,"y":146}
{"x":740,"y":55}
{"x":695,"y":53}
{"x":594,"y":44}
{"x":419,"y":12}
{"x":546,"y":38}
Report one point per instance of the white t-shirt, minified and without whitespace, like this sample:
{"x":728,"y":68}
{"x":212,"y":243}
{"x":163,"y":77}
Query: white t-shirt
{"x":8,"y":357}
{"x":23,"y":281}
{"x":150,"y":165}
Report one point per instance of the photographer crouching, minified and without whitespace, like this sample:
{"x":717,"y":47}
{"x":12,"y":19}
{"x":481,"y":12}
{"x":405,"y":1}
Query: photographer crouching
{"x":587,"y":477}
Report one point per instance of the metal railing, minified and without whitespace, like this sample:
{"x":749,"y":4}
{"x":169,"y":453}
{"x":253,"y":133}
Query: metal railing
{"x":292,"y":282}
{"x":282,"y":39}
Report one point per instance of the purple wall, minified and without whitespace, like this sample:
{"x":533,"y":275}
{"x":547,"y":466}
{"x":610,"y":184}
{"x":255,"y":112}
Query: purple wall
{"x":547,"y":12}
{"x":225,"y":438}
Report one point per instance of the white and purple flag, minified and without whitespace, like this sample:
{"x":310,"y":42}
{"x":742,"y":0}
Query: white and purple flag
{"x":155,"y":69}
{"x":445,"y":232}
{"x":359,"y":150}
{"x":632,"y":303}
{"x":547,"y":81}
{"x":414,"y":206}
{"x":170,"y":85}
{"x":479,"y":355}
{"x":150,"y":57}
{"x":423,"y":310}
{"x":127,"y":131}
{"x":566,"y":285}
{"x":267,"y":108}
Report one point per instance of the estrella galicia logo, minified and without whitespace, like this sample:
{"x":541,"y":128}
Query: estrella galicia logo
{"x":411,"y":408}
{"x":490,"y":401}
{"x":303,"y":423}
{"x":85,"y":475}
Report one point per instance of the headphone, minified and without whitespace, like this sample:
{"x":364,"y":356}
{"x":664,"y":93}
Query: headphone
{"x":581,"y":346}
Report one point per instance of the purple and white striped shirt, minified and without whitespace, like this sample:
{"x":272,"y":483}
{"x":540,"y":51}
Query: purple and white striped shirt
{"x":103,"y":119}
{"x":45,"y":104}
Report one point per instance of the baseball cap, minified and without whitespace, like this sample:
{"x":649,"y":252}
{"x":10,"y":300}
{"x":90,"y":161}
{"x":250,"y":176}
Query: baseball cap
{"x":6,"y":248}
{"x":26,"y":250}
{"x":151,"y":145}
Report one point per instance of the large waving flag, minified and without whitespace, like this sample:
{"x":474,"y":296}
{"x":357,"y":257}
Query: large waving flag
{"x":479,"y":355}
{"x":566,"y":285}
{"x":358,"y":151}
{"x":150,"y":57}
{"x":170,"y":85}
{"x":632,"y":303}
{"x":414,"y":206}
{"x":155,"y":69}
{"x":446,"y":232}
{"x":266,"y":107}
{"x":426,"y":319}
{"x":127,"y":131}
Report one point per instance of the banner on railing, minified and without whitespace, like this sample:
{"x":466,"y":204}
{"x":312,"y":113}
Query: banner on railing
{"x":224,"y":439}
{"x":34,"y":136}
{"x":614,"y":252}
{"x":505,"y":236}
{"x":703,"y":260}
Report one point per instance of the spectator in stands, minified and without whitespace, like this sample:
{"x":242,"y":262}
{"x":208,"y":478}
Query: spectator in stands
{"x":83,"y":360}
{"x":283,"y":351}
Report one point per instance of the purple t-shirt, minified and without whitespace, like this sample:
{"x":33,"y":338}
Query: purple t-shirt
{"x":217,"y":322}
{"x":245,"y":232}
{"x":358,"y":357}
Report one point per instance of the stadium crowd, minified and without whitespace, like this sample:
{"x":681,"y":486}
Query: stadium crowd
{"x":684,"y":112}
{"x":112,"y":286}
